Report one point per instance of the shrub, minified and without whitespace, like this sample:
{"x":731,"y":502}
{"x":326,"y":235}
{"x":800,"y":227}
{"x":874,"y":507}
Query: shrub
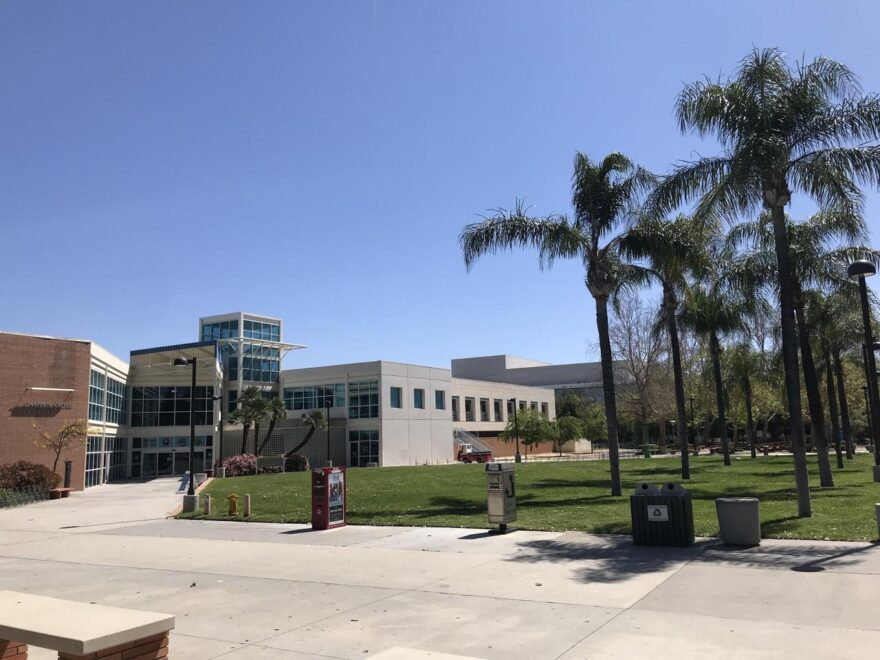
{"x":296,"y":463}
{"x":24,"y":474}
{"x":272,"y":469}
{"x":241,"y":465}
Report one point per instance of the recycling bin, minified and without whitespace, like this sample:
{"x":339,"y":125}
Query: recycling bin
{"x":328,"y":497}
{"x":662,"y":515}
{"x":501,"y":494}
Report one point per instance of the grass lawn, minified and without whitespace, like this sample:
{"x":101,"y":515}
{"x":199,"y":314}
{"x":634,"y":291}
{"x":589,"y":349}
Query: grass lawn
{"x":574,"y":496}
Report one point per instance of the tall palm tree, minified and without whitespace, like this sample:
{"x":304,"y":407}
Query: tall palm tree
{"x":252,"y":409}
{"x":604,"y":196}
{"x":276,"y":410}
{"x":744,"y":365}
{"x":671,"y":250}
{"x":314,"y":420}
{"x":782,"y":130}
{"x":714,"y":306}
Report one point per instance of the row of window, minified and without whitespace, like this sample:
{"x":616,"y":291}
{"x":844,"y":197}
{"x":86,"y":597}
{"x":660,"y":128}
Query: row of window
{"x":106,"y":398}
{"x":498,"y":406}
{"x":170,"y":406}
{"x":106,"y":460}
{"x":310,"y":397}
{"x":220,"y":330}
{"x":396,"y":398}
{"x":258,"y":330}
{"x":363,"y":448}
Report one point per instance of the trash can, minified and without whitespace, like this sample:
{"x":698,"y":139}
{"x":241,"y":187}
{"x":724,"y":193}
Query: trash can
{"x":646,"y":451}
{"x":739,"y":521}
{"x":662,"y":515}
{"x":501,"y":494}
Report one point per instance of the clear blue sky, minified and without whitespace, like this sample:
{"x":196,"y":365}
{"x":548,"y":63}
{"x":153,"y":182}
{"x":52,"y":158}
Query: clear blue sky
{"x":161,"y":161}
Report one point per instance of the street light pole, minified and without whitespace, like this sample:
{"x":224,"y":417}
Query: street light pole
{"x":218,"y":460}
{"x":860,"y":270}
{"x":518,"y":457}
{"x":327,"y":414}
{"x":190,"y":502}
{"x":867,"y":407}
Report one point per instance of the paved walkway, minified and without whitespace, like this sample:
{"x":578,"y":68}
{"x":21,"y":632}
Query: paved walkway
{"x":270,"y":592}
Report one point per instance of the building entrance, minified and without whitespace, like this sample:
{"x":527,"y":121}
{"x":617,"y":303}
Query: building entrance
{"x":162,"y":457}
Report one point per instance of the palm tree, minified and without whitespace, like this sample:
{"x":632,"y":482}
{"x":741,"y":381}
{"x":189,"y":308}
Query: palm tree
{"x":276,"y":410}
{"x":314,"y":420}
{"x":671,"y":250}
{"x":782,"y":130}
{"x":604,"y":196}
{"x":252,"y":409}
{"x":714,"y":306}
{"x":745,"y":365}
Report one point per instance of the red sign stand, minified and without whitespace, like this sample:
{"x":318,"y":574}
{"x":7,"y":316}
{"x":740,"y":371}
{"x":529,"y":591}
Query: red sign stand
{"x":328,"y":498}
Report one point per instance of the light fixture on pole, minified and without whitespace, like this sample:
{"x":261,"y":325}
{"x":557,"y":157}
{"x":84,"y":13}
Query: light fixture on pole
{"x":860,"y":270}
{"x":218,"y":462}
{"x":518,"y":457}
{"x":190,"y":500}
{"x":693,"y":428}
{"x":327,"y":402}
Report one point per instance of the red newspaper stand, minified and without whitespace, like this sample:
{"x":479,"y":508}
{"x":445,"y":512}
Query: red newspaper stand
{"x":328,"y":497}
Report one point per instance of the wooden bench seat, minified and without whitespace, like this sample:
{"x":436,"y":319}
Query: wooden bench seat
{"x":57,"y":494}
{"x":80,"y":631}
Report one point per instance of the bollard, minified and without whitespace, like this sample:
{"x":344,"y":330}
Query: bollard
{"x":233,"y":504}
{"x":206,"y":505}
{"x":247,"y":506}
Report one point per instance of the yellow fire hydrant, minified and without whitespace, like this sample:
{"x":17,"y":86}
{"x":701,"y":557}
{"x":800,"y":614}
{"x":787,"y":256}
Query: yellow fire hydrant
{"x":233,"y":504}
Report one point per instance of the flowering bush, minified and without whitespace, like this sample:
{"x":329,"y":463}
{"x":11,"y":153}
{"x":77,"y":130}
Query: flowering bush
{"x":241,"y":465}
{"x":272,"y":469}
{"x":24,"y":474}
{"x":296,"y":463}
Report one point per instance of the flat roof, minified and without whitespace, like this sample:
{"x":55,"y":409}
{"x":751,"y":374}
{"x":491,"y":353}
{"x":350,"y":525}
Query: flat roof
{"x":174,"y":347}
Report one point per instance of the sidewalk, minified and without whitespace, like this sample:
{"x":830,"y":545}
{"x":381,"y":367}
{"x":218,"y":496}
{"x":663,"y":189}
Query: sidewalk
{"x":282,"y":591}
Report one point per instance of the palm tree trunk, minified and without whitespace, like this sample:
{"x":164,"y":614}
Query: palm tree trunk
{"x":790,"y":362}
{"x":814,"y":397}
{"x":670,"y":303}
{"x":245,"y":430}
{"x":303,"y":443}
{"x":608,"y":392}
{"x":747,"y":392}
{"x":844,"y":405}
{"x":271,"y":428}
{"x":832,"y":403}
{"x":715,"y":349}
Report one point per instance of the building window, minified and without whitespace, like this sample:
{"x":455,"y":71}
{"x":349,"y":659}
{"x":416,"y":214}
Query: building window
{"x":397,"y":397}
{"x":455,"y":414}
{"x":484,"y":410}
{"x":115,"y":401}
{"x":220,"y":330}
{"x":363,"y":448}
{"x":170,"y":406}
{"x":419,"y":399}
{"x":498,"y":404}
{"x":260,"y":364}
{"x":545,"y":410}
{"x":511,"y":403}
{"x":264,"y":331}
{"x":363,"y":399}
{"x":534,"y":405}
{"x":96,"y":396}
{"x":312,"y":397}
{"x":522,"y":405}
{"x":232,"y":368}
{"x":469,"y":409}
{"x":231,"y":401}
{"x":440,"y":400}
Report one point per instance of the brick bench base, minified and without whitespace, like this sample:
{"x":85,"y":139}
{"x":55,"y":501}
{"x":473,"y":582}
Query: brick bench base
{"x":148,"y":648}
{"x":13,"y":650}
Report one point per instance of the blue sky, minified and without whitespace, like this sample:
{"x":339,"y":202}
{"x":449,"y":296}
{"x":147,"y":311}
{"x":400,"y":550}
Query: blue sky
{"x":161,"y":161}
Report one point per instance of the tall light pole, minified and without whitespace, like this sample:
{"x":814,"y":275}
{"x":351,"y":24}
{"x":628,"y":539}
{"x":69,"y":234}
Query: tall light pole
{"x":327,"y":402}
{"x":518,"y":457}
{"x":860,"y":270}
{"x":190,"y":501}
{"x":218,"y":461}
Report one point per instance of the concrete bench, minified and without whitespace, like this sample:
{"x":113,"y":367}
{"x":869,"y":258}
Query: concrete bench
{"x":57,"y":494}
{"x":80,"y":631}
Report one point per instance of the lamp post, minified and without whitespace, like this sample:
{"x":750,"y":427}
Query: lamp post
{"x":693,"y":428}
{"x":867,"y":407}
{"x":327,"y":401}
{"x":518,"y":457}
{"x":218,"y":461}
{"x":190,"y":501}
{"x":860,"y":270}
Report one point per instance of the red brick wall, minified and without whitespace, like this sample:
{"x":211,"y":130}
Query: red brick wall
{"x":503,"y":448}
{"x":37,"y":362}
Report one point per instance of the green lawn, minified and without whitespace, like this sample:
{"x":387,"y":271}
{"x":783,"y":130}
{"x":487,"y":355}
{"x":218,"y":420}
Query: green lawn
{"x":574,"y":496}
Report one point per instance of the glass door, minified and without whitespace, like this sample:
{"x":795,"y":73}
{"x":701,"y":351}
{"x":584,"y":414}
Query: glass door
{"x":181,"y":462}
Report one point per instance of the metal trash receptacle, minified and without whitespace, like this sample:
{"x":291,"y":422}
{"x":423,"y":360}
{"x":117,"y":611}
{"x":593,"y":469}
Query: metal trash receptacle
{"x":662,"y":516}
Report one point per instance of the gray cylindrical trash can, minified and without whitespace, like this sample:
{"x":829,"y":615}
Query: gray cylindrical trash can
{"x":739,"y":520}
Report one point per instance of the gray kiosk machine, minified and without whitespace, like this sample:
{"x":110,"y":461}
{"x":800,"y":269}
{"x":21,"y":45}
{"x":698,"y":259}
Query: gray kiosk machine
{"x":501,"y":495}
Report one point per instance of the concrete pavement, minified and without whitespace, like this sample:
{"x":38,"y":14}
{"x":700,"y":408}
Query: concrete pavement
{"x":271,"y":592}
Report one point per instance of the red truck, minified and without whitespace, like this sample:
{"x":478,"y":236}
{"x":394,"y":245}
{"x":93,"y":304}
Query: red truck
{"x":467,"y":454}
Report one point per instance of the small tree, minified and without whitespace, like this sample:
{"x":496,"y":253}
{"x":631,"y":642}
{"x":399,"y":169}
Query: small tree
{"x":533,"y":427}
{"x":72,"y":432}
{"x":567,"y":429}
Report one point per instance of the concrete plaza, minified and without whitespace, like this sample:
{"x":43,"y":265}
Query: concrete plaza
{"x":283,"y":592}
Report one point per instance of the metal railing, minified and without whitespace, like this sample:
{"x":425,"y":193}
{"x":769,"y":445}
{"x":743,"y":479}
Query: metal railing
{"x":461,"y":436}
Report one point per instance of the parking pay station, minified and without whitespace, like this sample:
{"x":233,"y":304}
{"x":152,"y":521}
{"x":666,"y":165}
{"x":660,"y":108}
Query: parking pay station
{"x":328,"y":497}
{"x":501,"y":494}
